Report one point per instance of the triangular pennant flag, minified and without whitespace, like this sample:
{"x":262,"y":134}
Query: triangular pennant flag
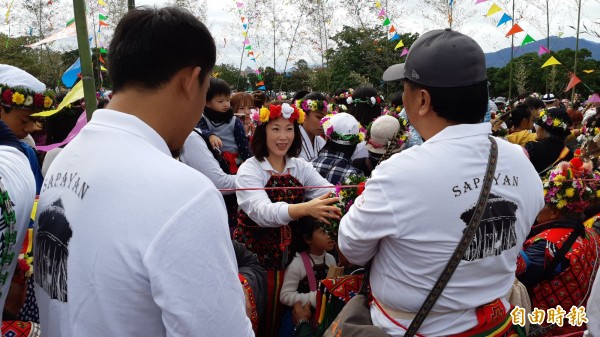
{"x":102,"y":10}
{"x":493,"y":10}
{"x":399,"y":45}
{"x":504,"y":19}
{"x":245,"y":26}
{"x":101,"y":2}
{"x":70,"y":21}
{"x":262,"y":88}
{"x":101,"y":59}
{"x":527,"y":39}
{"x":102,"y":68}
{"x":239,"y":4}
{"x":250,"y":53}
{"x":259,"y":77}
{"x":245,"y":34}
{"x":551,"y":61}
{"x":386,"y":22}
{"x":395,"y":37}
{"x":102,"y":17}
{"x":543,"y":50}
{"x":102,"y":23}
{"x":70,"y":76}
{"x":249,"y":47}
{"x":572,"y":83}
{"x":377,"y":4}
{"x":103,"y":51}
{"x":588,"y":71}
{"x":404,"y":52}
{"x":515,"y":29}
{"x":257,"y":71}
{"x":246,"y":41}
{"x":393,"y":29}
{"x":480,"y":1}
{"x":260,"y":83}
{"x":252,"y":59}
{"x":382,"y":13}
{"x":243,"y":18}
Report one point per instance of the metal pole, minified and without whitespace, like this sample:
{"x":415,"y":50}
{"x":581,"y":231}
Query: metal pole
{"x":576,"y":49}
{"x":512,"y":54}
{"x":130,"y":4}
{"x":87,"y":71}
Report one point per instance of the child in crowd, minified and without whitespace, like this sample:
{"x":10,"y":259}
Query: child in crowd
{"x":224,"y":131}
{"x":315,"y":106}
{"x":242,"y":103}
{"x":309,"y":266}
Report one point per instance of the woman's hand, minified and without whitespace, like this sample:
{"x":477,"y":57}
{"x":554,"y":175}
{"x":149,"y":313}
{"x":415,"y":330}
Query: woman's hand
{"x":320,"y":208}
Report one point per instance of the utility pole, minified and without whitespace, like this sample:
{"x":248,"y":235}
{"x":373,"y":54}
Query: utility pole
{"x":576,"y":49}
{"x":87,"y":71}
{"x":130,"y":4}
{"x":512,"y":55}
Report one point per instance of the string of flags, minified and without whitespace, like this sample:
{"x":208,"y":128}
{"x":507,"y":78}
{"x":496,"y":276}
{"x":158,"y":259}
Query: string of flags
{"x":248,"y":46}
{"x":391,"y":29}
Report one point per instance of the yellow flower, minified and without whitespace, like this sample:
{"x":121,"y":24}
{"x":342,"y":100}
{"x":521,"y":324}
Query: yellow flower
{"x":598,"y":194}
{"x":361,"y":136}
{"x":264,"y":115}
{"x":569,"y":192}
{"x":18,"y":98}
{"x":545,"y":192}
{"x":561,"y":204}
{"x":556,"y":122}
{"x":301,"y":116}
{"x":47,"y":102}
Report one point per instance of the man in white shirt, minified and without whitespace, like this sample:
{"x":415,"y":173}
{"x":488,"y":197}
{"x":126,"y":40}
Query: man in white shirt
{"x":416,"y":205}
{"x":129,"y":241}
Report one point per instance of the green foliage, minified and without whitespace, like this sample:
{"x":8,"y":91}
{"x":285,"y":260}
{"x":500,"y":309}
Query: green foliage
{"x":231,"y":75}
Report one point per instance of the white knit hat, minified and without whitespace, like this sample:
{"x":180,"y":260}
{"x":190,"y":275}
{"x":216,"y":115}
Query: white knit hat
{"x":382,"y":130}
{"x":18,"y":78}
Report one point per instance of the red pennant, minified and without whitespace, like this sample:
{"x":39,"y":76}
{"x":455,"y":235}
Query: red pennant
{"x":101,"y":59}
{"x":515,"y":29}
{"x":250,"y":53}
{"x":102,"y":23}
{"x":572,"y":83}
{"x":393,"y":29}
{"x":260,"y":83}
{"x":243,"y":18}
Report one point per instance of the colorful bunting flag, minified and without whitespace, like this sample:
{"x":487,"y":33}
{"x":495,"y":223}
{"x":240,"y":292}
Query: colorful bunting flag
{"x":382,"y":13}
{"x":588,"y":71}
{"x":245,"y":34}
{"x":393,"y":29}
{"x":480,"y":1}
{"x":493,"y":10}
{"x":399,"y":45}
{"x":250,"y":53}
{"x":101,"y":59}
{"x":239,"y":4}
{"x":245,"y":26}
{"x":243,"y":18}
{"x":246,"y":41}
{"x":572,"y":83}
{"x":263,"y":88}
{"x":505,"y":18}
{"x":386,"y":22}
{"x":259,"y":77}
{"x":70,"y":76}
{"x":103,"y":51}
{"x":101,"y":2}
{"x":249,"y":47}
{"x":395,"y":37}
{"x":515,"y":29}
{"x":102,"y":23}
{"x":102,"y":17}
{"x":527,"y":39}
{"x":70,"y":22}
{"x":102,"y":68}
{"x":404,"y":52}
{"x":543,"y":50}
{"x":551,"y":61}
{"x":260,"y":83}
{"x":377,"y":4}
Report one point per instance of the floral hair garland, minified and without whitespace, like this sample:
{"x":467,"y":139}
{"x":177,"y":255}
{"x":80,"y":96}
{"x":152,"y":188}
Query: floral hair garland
{"x":22,"y":98}
{"x":330,"y":133}
{"x":545,"y":118}
{"x":572,"y":185}
{"x":312,"y":105}
{"x":372,"y":101}
{"x":335,"y":108}
{"x":265,"y":115}
{"x":347,"y":197}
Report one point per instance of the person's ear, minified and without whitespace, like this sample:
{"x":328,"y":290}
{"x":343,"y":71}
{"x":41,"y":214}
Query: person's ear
{"x":190,"y":80}
{"x":425,"y":102}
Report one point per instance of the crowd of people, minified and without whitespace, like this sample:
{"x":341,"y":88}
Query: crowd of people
{"x":183,"y":209}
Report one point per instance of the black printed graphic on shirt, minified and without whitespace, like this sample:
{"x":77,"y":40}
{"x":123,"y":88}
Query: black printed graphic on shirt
{"x":51,"y":251}
{"x":496,"y":232}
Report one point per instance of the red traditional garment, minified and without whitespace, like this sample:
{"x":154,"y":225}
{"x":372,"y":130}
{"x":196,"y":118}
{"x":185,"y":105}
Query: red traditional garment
{"x":20,"y":329}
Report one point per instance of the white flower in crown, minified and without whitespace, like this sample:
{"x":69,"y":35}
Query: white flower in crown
{"x":28,"y":101}
{"x":373,"y":101}
{"x":349,"y":100}
{"x":286,"y":111}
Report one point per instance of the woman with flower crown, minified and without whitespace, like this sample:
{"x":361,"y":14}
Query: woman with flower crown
{"x":560,"y":256}
{"x":271,"y":198}
{"x":552,"y":128}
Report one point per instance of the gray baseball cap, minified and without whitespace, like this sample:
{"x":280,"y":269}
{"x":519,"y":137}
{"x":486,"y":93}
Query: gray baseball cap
{"x":442,"y":58}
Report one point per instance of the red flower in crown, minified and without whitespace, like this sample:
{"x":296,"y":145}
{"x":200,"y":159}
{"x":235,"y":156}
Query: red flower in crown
{"x":275,"y":112}
{"x":38,"y":100}
{"x":7,"y":97}
{"x":378,"y":99}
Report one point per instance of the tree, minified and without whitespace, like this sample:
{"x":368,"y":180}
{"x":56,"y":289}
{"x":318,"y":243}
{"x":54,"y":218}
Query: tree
{"x":520,"y":77}
{"x":231,"y":75}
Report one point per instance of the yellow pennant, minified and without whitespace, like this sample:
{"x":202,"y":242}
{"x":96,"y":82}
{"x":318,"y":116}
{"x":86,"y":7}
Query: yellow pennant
{"x":493,"y":10}
{"x":377,"y":4}
{"x":588,"y":71}
{"x":551,"y":61}
{"x":101,"y":2}
{"x":245,"y":34}
{"x":102,"y":68}
{"x":399,"y":45}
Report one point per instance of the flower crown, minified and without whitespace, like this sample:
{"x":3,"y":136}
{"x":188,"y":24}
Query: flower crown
{"x":265,"y":115}
{"x":312,"y":105}
{"x":576,"y":194}
{"x":344,"y":95}
{"x":545,"y":118}
{"x":372,"y":101}
{"x":347,"y":197}
{"x":22,"y":98}
{"x":336,"y":137}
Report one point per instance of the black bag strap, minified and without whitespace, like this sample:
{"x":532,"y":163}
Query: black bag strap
{"x":463,"y":244}
{"x":560,"y":255}
{"x":215,"y":152}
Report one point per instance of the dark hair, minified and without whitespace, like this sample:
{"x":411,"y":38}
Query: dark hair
{"x":397,"y":99}
{"x":260,"y":98}
{"x":102,"y":102}
{"x":150,"y":45}
{"x":336,"y":95}
{"x":299,"y":95}
{"x":218,"y":87}
{"x":534,"y":102}
{"x":347,"y":150}
{"x":363,"y":112}
{"x":518,"y":114}
{"x":258,"y":145}
{"x":315,"y":95}
{"x":463,"y":105}
{"x":303,"y":231}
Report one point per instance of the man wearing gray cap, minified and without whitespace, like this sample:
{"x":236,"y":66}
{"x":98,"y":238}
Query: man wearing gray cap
{"x":408,"y":236}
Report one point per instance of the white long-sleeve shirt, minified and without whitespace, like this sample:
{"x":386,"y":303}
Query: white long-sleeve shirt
{"x":197,"y":155}
{"x":258,"y":206}
{"x":413,"y":212}
{"x":294,"y":273}
{"x":593,"y":309}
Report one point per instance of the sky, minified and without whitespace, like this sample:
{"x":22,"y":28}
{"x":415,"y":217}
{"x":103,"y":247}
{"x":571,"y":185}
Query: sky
{"x":406,"y":15}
